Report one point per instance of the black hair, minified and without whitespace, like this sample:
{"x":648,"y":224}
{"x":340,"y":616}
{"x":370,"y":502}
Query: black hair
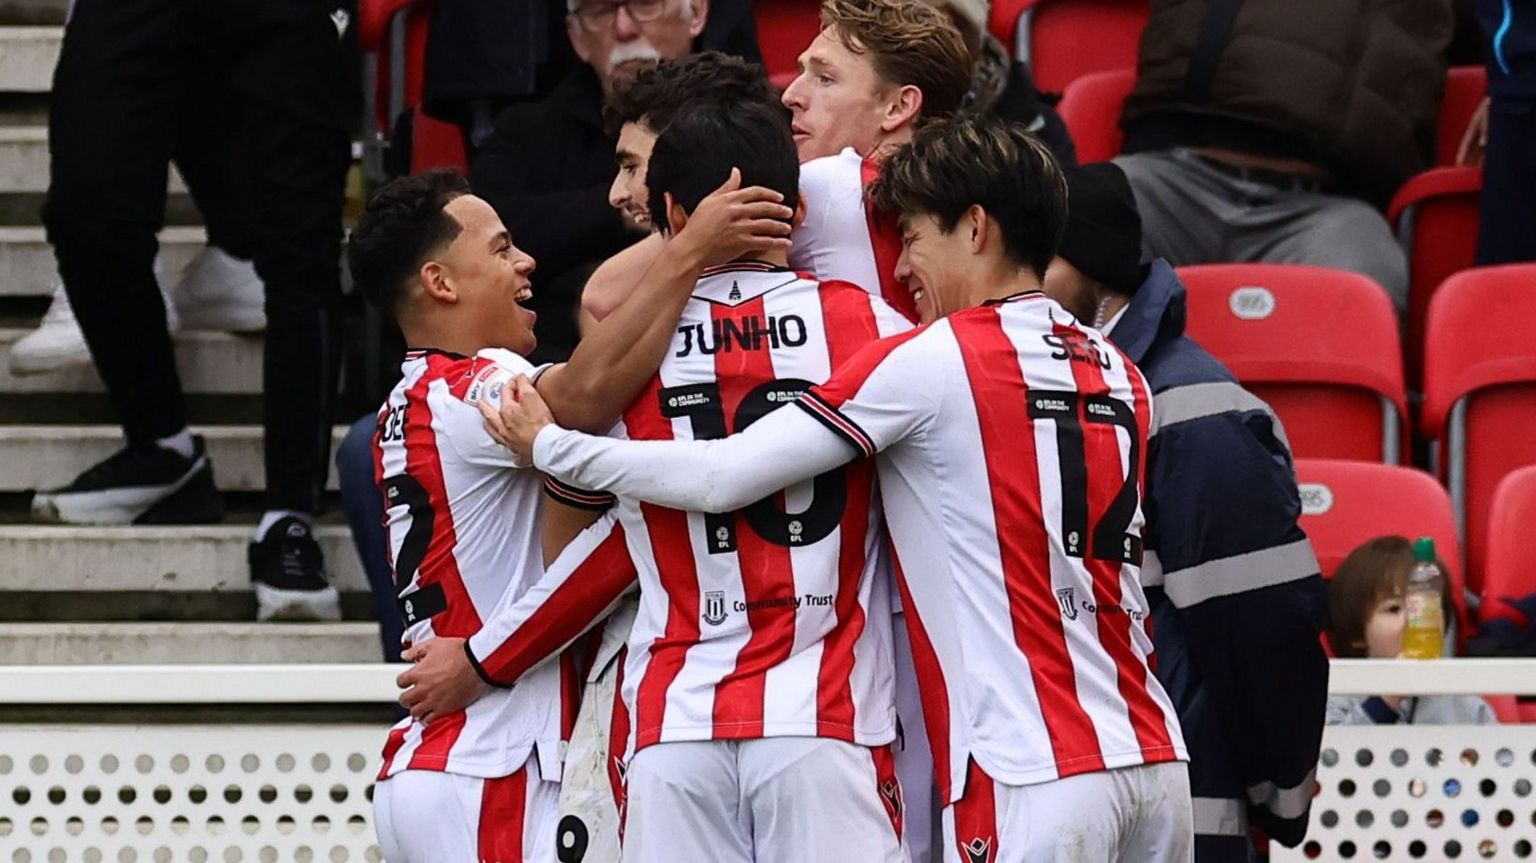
{"x":695,"y":153}
{"x":403,"y":223}
{"x":659,"y":93}
{"x":953,"y":164}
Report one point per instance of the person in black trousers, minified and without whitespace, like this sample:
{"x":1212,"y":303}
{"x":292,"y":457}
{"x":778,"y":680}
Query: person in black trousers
{"x":121,"y":90}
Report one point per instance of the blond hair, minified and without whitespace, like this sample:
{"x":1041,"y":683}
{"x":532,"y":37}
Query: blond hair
{"x":909,"y":43}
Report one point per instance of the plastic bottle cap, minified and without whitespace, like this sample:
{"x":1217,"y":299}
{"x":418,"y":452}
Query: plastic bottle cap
{"x":1424,"y":550}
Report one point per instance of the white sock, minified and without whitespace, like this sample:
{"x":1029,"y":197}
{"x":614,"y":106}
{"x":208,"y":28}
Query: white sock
{"x":273,"y":516}
{"x":179,"y":443}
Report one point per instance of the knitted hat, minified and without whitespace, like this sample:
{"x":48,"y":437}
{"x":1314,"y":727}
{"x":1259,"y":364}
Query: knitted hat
{"x":1103,"y":236}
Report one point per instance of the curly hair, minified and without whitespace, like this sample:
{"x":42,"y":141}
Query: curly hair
{"x":951,"y":165}
{"x":656,"y":94}
{"x":910,"y":43}
{"x":403,"y":224}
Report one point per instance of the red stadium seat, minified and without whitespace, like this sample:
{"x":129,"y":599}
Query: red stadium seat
{"x":1319,"y":345}
{"x":1063,"y":40}
{"x":784,"y":29}
{"x":1345,"y":504}
{"x":1435,"y":216}
{"x":434,"y":144}
{"x":1480,"y":391}
{"x":1091,"y":109}
{"x":1509,"y":569}
{"x":1465,"y":87}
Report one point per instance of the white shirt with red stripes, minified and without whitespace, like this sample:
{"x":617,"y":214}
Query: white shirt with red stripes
{"x":1012,"y":443}
{"x":463,"y":522}
{"x":754,"y":623}
{"x":843,"y":236}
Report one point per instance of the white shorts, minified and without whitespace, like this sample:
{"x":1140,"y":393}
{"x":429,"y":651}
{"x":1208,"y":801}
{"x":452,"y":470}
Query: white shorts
{"x":1137,"y":814}
{"x":775,"y":800}
{"x":592,"y":782}
{"x":424,"y":816}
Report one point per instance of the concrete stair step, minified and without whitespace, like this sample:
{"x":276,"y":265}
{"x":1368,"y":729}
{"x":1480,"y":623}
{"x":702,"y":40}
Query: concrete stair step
{"x":24,"y":161}
{"x":209,"y":363}
{"x":191,"y":559}
{"x":28,"y":268}
{"x":50,"y":12}
{"x":33,"y":457}
{"x":187,"y":643}
{"x":27,"y":58}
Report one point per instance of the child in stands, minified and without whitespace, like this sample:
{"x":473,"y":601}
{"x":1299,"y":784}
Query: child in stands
{"x":1367,"y":609}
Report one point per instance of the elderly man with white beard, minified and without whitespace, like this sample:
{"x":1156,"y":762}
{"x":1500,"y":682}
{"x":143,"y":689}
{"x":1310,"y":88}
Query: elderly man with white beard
{"x":547,"y":166}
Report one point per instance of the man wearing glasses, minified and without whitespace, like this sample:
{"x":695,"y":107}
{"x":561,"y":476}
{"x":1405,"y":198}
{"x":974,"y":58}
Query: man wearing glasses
{"x":547,"y":166}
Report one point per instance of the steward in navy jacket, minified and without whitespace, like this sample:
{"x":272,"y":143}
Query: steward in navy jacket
{"x":1236,"y":598}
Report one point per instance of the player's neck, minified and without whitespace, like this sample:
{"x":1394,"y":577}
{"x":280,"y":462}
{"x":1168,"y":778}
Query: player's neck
{"x":889,"y":143}
{"x":778,"y":259}
{"x":444,"y":336}
{"x":1003,"y":282}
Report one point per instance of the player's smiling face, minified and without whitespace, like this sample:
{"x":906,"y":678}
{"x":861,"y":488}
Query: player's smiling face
{"x":930,"y":266}
{"x":837,"y":101}
{"x":489,"y":276}
{"x":629,"y":194}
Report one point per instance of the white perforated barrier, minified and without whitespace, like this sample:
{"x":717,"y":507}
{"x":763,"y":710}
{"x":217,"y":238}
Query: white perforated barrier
{"x":204,"y":794}
{"x":245,"y":793}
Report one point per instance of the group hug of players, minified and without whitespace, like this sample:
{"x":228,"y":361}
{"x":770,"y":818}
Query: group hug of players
{"x":830,"y":492}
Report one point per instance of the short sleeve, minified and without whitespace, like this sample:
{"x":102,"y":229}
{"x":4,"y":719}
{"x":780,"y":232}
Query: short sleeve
{"x":876,"y":398}
{"x":490,"y":372}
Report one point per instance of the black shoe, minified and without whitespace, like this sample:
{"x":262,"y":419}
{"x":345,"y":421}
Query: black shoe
{"x":288,"y":574}
{"x":137,"y":486}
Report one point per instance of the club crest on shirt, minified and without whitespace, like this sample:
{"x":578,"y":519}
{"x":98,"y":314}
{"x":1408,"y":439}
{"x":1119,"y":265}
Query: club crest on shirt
{"x":1068,"y":602}
{"x":714,"y":607}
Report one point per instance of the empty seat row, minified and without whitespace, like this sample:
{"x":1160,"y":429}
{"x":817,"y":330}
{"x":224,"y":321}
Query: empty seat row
{"x":1321,"y":347}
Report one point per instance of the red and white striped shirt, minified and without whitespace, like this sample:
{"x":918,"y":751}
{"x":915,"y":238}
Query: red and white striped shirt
{"x":843,"y":237}
{"x":1013,"y":449}
{"x":463,"y":524}
{"x":754,"y":623}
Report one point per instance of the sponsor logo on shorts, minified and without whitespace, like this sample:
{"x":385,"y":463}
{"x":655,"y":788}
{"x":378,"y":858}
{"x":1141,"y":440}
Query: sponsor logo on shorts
{"x":891,"y":792}
{"x":978,"y":850}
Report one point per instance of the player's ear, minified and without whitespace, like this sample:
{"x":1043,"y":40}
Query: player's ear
{"x":699,"y":17}
{"x":798,"y":218}
{"x":677,"y":217}
{"x":902,"y":109}
{"x":976,"y":222}
{"x":433,"y":277}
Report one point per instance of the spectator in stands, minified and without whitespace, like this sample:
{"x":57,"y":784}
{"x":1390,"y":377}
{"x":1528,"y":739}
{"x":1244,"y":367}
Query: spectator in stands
{"x":485,"y":55}
{"x":1367,"y":602}
{"x":219,"y":290}
{"x":119,"y":94}
{"x":1275,"y":131}
{"x":1004,"y":86}
{"x":1235,"y":594}
{"x":1502,"y":135}
{"x":547,"y":166}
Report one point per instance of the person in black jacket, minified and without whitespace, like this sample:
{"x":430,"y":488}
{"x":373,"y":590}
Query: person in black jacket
{"x":1502,"y":137}
{"x":1237,"y":599}
{"x":547,"y":166}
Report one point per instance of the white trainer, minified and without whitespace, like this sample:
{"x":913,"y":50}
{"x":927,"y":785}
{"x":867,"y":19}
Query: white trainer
{"x":221,"y":292}
{"x":57,"y":343}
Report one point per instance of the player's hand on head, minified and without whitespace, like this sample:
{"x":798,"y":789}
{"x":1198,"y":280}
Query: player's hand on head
{"x":732,"y":222}
{"x":519,"y":418}
{"x":441,"y":680}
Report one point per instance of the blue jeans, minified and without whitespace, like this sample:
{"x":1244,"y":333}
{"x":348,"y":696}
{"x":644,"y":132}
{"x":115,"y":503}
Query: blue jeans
{"x":364,"y":506}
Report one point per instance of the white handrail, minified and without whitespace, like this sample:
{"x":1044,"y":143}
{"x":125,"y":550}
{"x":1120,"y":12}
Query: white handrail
{"x":375,"y":684}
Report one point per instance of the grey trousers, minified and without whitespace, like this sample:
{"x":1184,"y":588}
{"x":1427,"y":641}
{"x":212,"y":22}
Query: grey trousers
{"x":1192,"y":213}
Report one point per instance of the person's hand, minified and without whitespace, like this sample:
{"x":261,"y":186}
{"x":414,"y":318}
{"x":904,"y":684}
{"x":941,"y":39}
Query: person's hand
{"x":441,"y":681}
{"x":732,"y":222}
{"x":1475,"y":140}
{"x":517,"y":422}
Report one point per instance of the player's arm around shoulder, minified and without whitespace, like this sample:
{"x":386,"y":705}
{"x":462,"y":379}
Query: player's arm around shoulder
{"x":458,"y":417}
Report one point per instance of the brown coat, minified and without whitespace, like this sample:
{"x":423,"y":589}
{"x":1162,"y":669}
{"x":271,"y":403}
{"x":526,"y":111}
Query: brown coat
{"x":1353,"y":85}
